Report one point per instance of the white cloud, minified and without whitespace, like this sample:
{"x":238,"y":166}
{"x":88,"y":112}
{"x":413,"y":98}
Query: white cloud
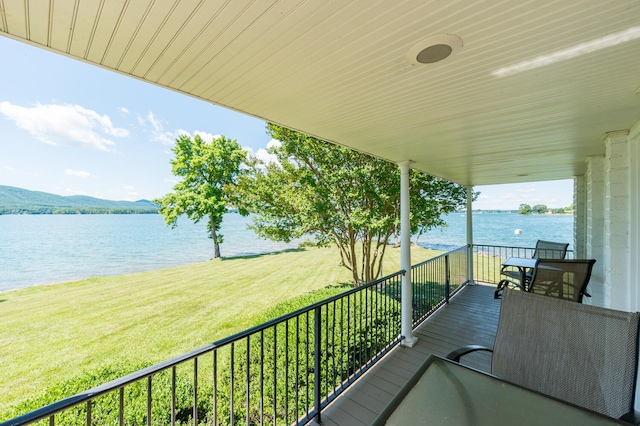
{"x":168,"y":138}
{"x":207,"y":137}
{"x":263,"y":154}
{"x":158,"y":134}
{"x":157,"y":126}
{"x":78,"y":173}
{"x":64,"y":125}
{"x":183,"y":132}
{"x":274,"y":143}
{"x":266,"y":157}
{"x":124,"y":110}
{"x":130,"y":189}
{"x":526,"y":189}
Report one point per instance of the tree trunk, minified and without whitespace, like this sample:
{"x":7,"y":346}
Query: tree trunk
{"x":214,"y":237}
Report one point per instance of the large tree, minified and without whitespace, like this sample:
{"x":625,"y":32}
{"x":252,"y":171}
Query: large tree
{"x":208,"y":170}
{"x":525,"y":209}
{"x":338,"y":195}
{"x":540,"y":208}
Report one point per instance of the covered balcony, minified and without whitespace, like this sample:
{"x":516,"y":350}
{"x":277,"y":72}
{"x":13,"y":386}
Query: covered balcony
{"x":477,"y":93}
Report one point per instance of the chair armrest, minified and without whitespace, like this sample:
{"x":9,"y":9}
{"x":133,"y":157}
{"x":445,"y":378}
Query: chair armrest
{"x":455,"y":355}
{"x":503,"y":284}
{"x":632,"y":417}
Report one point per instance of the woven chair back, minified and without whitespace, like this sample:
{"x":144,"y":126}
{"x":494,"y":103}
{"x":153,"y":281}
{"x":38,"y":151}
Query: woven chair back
{"x":562,"y":278}
{"x":550,"y":250}
{"x":586,"y":355}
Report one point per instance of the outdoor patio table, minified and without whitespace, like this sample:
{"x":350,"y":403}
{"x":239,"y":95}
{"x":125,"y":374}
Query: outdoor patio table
{"x":443,"y":392}
{"x":524,"y":265}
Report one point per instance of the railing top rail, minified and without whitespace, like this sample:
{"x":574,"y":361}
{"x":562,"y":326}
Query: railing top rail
{"x":509,"y":247}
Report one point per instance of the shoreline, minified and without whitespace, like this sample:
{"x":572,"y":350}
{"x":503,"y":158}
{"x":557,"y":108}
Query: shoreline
{"x":61,"y":248}
{"x":242,"y":257}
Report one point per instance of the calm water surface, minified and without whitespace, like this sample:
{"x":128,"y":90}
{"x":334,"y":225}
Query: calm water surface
{"x":42,"y":249}
{"x":499,"y":229}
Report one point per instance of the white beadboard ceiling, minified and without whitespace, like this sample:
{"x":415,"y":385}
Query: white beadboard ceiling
{"x":340,"y":70}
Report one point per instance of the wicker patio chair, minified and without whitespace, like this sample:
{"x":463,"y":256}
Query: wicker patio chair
{"x":585,"y":355}
{"x":562,"y":278}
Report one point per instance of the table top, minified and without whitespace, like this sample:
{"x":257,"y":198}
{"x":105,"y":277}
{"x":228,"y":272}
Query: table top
{"x":521,"y":262}
{"x":443,"y":392}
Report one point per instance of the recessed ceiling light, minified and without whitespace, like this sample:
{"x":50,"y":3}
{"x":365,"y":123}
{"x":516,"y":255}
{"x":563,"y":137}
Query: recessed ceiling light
{"x":435,"y":49}
{"x":434,"y":53}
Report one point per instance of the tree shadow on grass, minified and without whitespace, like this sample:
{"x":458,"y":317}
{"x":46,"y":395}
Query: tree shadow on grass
{"x":259,"y":255}
{"x":346,"y":285}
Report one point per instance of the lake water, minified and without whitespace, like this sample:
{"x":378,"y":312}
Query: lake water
{"x":42,"y":249}
{"x":499,"y":229}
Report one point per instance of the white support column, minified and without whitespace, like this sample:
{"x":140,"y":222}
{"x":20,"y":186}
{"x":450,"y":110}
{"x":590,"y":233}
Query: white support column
{"x":579,"y":218}
{"x":594,"y":224}
{"x":634,"y":218}
{"x":617,"y":220}
{"x":621,"y":216}
{"x":470,"y":235}
{"x":405,"y":257}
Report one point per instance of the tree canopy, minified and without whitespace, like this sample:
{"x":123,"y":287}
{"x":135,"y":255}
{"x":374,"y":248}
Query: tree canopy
{"x":208,"y":170}
{"x":524,"y":209}
{"x":537,"y":209}
{"x":335,"y":194}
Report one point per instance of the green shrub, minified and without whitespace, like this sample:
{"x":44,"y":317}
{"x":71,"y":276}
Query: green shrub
{"x":106,"y":408}
{"x":352,"y":333}
{"x":278,"y":360}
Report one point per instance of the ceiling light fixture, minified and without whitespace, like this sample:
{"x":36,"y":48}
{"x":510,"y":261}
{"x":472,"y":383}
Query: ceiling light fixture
{"x":435,"y":49}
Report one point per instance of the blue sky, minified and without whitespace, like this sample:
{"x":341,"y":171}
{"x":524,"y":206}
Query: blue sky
{"x":70,"y":128}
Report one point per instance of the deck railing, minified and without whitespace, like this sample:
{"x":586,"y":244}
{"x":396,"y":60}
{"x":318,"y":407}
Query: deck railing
{"x":487,"y":260}
{"x":435,"y":280}
{"x":284,"y":371}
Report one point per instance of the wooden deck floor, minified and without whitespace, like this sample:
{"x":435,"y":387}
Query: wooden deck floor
{"x":470,"y":318}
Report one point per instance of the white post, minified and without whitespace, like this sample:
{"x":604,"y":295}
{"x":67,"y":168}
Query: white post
{"x":470,"y":235}
{"x":405,"y":257}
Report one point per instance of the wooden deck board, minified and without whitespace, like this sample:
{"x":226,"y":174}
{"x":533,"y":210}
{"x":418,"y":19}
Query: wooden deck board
{"x":471,"y":317}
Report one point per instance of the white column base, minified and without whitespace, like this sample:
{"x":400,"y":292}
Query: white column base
{"x":409,"y":342}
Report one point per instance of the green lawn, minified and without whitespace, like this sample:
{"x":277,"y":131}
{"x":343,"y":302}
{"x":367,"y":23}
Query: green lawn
{"x":54,"y":332}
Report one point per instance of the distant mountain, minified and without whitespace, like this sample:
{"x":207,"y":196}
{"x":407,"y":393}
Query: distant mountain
{"x":21,"y":201}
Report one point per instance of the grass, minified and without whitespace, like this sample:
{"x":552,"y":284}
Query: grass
{"x":54,"y":332}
